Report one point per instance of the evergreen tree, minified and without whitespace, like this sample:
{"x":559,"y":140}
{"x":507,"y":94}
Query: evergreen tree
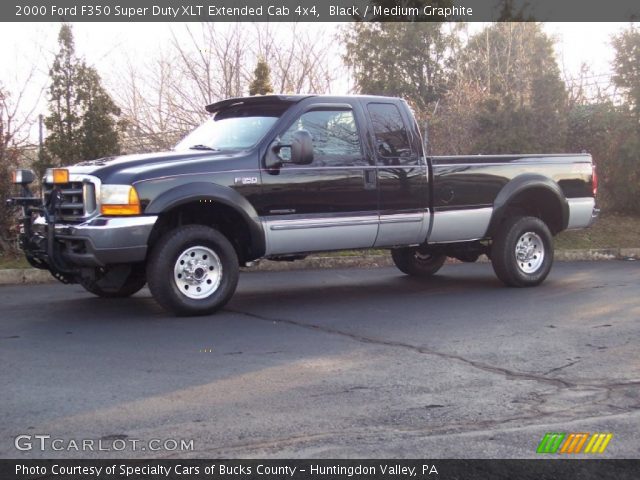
{"x":627,"y":67}
{"x":99,"y":127}
{"x":82,"y":123}
{"x":62,"y":142}
{"x":610,"y":131}
{"x":261,"y":83}
{"x":398,"y":59}
{"x":623,"y":168}
{"x":524,"y":109}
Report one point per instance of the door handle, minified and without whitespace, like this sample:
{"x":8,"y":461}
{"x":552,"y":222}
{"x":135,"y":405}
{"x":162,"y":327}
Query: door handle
{"x":370,"y":179}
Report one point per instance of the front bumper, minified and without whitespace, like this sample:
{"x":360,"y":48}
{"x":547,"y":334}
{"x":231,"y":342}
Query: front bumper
{"x":100,"y":241}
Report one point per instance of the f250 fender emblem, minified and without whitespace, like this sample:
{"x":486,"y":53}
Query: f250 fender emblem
{"x":245,"y":180}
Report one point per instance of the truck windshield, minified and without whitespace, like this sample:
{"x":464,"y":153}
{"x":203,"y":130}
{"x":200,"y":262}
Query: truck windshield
{"x":233,"y":129}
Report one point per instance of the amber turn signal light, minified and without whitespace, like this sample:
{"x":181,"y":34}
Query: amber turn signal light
{"x":60,"y":175}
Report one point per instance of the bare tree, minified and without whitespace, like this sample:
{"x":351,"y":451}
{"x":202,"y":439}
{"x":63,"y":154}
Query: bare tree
{"x":144,"y":92}
{"x":164,"y":97}
{"x":216,"y":61}
{"x":210,"y":64}
{"x":588,"y":87}
{"x":299,"y":59}
{"x":16,"y":119}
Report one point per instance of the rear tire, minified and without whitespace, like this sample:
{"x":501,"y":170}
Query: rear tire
{"x":417,"y":262}
{"x":522,"y":252}
{"x":116,"y":284}
{"x":193,"y":270}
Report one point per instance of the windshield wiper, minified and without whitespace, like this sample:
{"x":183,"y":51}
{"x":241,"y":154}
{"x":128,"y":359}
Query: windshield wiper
{"x":203,"y":147}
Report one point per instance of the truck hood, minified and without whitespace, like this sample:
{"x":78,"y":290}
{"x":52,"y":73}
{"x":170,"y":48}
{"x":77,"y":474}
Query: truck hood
{"x":128,"y":169}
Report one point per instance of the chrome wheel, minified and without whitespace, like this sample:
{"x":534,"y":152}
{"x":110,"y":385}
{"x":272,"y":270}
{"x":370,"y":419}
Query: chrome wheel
{"x":522,"y":251}
{"x":198,"y":272}
{"x":529,"y":252}
{"x":192,"y":270}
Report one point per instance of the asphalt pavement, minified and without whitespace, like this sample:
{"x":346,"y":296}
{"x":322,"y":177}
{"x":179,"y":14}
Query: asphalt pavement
{"x":327,"y":364}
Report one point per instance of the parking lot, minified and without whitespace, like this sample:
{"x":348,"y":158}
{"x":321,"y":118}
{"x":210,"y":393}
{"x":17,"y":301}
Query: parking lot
{"x":330,"y":363}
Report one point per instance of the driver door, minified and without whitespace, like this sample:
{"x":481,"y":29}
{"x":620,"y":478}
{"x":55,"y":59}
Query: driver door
{"x":330,"y":204}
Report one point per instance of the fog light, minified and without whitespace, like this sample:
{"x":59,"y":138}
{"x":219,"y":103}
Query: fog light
{"x":22,"y":177}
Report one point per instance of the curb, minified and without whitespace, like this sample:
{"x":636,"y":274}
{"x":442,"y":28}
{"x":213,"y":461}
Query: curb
{"x":17,"y":276}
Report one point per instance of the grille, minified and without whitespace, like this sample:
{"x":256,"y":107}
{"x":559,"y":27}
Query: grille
{"x":78,"y":200}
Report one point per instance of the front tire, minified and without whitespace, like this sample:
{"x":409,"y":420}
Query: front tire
{"x":522,"y":252}
{"x":193,"y":270}
{"x":417,"y":262}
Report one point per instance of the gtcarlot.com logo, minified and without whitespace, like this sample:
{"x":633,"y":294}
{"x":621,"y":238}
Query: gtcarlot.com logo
{"x":114,"y":443}
{"x":574,"y":442}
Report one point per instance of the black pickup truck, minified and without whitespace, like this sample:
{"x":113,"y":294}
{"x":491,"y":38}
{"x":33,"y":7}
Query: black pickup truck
{"x":280,"y":176}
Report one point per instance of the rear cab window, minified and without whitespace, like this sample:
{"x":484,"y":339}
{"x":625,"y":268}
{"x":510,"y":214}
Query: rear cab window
{"x":392,"y":144}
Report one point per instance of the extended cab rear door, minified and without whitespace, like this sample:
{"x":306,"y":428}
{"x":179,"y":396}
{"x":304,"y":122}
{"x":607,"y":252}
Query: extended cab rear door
{"x":403,"y":180}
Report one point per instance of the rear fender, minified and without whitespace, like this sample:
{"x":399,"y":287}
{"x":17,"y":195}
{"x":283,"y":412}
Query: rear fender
{"x":518,"y":187}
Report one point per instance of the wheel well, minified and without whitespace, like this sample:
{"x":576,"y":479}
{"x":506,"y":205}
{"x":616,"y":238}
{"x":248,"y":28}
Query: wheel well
{"x":207,"y":212}
{"x":537,"y":202}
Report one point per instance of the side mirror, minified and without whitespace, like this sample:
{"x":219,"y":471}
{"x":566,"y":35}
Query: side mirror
{"x":301,"y":148}
{"x":301,"y":151}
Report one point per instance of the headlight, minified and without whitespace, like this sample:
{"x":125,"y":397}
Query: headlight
{"x":119,"y":200}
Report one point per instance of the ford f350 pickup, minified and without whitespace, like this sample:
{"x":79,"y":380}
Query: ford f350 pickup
{"x":280,"y":176}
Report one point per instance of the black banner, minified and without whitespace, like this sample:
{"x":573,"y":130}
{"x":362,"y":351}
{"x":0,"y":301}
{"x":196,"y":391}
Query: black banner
{"x":318,"y":10}
{"x":542,"y":469}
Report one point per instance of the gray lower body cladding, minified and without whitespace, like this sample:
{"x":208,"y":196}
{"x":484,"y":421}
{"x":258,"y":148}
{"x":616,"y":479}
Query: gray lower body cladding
{"x":298,"y":234}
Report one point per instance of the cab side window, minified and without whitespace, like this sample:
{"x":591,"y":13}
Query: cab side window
{"x":392,"y":140}
{"x":336,"y":142}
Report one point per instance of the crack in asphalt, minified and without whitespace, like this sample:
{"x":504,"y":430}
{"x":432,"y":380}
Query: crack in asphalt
{"x":557,"y":369}
{"x":510,"y":374}
{"x":557,"y":382}
{"x":533,"y":414}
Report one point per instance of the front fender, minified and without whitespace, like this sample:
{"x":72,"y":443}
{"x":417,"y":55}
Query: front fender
{"x":197,"y":191}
